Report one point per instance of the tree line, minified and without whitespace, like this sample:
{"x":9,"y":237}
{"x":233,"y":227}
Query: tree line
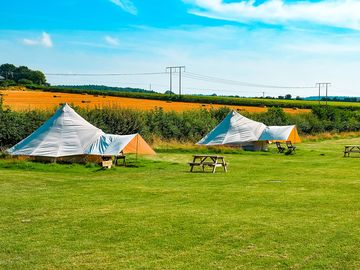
{"x":106,"y":88}
{"x":22,"y":75}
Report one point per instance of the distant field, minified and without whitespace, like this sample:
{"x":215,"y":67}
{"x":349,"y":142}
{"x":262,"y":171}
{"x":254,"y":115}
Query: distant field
{"x":223,"y":100}
{"x":23,"y":100}
{"x":270,"y":211}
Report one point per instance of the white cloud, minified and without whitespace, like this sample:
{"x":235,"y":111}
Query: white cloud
{"x":337,"y":13}
{"x":126,"y":5}
{"x":45,"y":41}
{"x":30,"y":42}
{"x":325,"y":48}
{"x":112,"y":41}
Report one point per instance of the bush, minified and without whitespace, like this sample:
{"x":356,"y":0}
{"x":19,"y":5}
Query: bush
{"x":273,"y":117}
{"x":7,"y":83}
{"x":187,"y":126}
{"x":25,"y":82}
{"x":15,"y":126}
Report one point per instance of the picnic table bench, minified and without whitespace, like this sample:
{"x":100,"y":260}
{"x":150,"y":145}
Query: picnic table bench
{"x":213,"y":161}
{"x":351,"y":149}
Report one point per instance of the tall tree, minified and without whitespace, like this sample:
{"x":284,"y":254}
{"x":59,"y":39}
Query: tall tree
{"x":22,"y":73}
{"x":7,"y":71}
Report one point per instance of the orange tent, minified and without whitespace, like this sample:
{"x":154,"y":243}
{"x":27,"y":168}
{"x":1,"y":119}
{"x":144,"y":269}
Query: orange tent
{"x":294,"y":136}
{"x":113,"y":145}
{"x":139,"y":146}
{"x":280,"y":133}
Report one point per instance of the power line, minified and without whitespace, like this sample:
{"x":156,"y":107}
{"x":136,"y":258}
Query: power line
{"x":220,"y":90}
{"x":188,"y":75}
{"x":233,"y":82}
{"x":104,"y":74}
{"x":196,"y":88}
{"x":114,"y":82}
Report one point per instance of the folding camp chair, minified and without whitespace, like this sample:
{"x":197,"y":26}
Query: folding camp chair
{"x":120,"y":156}
{"x":280,"y":148}
{"x":290,"y":146}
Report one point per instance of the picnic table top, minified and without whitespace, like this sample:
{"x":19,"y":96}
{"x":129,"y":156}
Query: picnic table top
{"x":352,"y":145}
{"x":211,"y":156}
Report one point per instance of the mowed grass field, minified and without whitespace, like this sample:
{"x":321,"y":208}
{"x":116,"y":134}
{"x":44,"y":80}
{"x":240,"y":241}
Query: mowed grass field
{"x":30,"y":100}
{"x":270,"y":211}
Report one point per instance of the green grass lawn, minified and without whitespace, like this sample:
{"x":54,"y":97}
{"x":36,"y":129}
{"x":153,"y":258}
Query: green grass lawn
{"x":270,"y":211}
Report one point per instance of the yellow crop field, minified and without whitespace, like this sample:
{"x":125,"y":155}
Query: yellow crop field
{"x":25,"y":100}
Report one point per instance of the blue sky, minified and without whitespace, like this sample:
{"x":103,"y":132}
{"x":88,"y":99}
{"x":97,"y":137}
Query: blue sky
{"x":271,"y":42}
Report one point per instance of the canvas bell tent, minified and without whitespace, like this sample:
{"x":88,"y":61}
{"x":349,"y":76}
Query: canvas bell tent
{"x":236,"y":130}
{"x":67,"y":134}
{"x":280,"y":133}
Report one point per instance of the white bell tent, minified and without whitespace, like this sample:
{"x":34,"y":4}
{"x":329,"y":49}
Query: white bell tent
{"x":66,"y":134}
{"x":236,"y":130}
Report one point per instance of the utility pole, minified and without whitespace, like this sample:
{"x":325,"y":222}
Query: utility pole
{"x":326,"y":84}
{"x":180,"y":81}
{"x":178,"y":69}
{"x":326,"y":99}
{"x":170,"y":81}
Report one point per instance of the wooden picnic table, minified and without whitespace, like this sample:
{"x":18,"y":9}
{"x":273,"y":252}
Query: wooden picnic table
{"x":213,"y":161}
{"x":351,"y":149}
